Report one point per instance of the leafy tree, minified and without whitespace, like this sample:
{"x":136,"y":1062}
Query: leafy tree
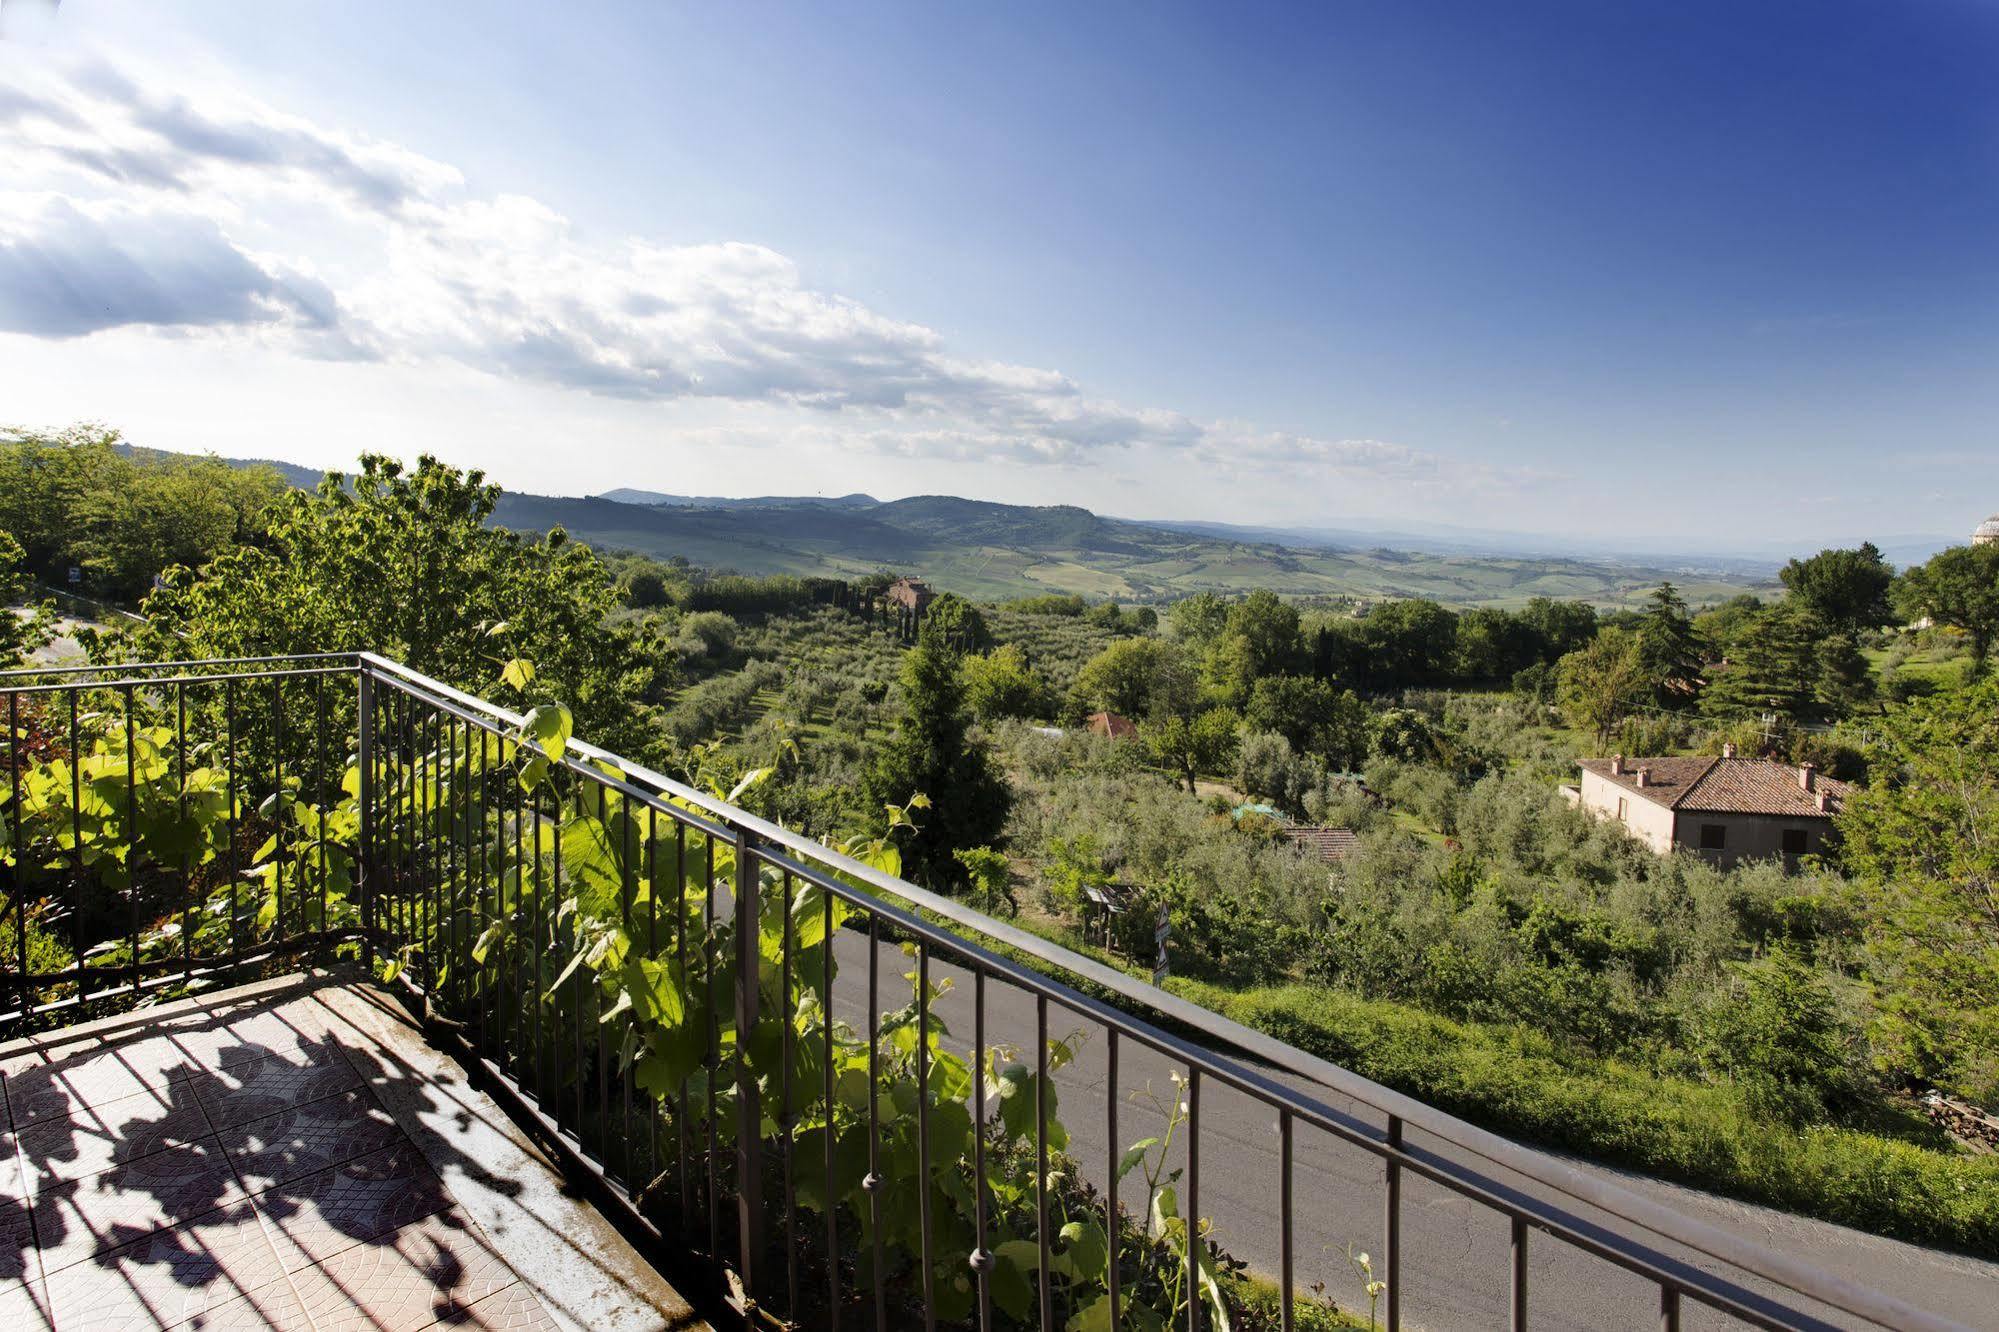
{"x":1922,"y":840}
{"x":74,"y":499}
{"x":1138,"y":677}
{"x":1260,"y":637}
{"x":958,"y":621}
{"x":1494,"y":644}
{"x":405,"y":564}
{"x":1845,"y":681}
{"x":21,"y":631}
{"x":1190,"y":747}
{"x":1000,"y":684}
{"x":1958,"y":587}
{"x":933,"y":754}
{"x":1267,"y":768}
{"x":1199,"y":620}
{"x":1603,"y":683}
{"x":1846,"y":590}
{"x":1410,"y":642}
{"x":1562,"y":626}
{"x":1671,"y":649}
{"x":1314,"y":716}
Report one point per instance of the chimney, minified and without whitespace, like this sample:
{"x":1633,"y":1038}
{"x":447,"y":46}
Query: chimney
{"x":1617,"y":765}
{"x":1807,"y":777}
{"x":1644,"y":776}
{"x":1825,"y":802}
{"x":1728,"y":749}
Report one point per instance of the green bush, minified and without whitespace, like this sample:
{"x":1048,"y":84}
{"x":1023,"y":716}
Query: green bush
{"x":1709,"y":1136}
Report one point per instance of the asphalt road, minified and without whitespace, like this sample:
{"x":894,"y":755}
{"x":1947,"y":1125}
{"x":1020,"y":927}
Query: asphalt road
{"x":1456,"y":1252}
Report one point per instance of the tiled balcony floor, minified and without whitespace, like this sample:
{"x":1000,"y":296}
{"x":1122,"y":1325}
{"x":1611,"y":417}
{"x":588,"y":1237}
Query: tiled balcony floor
{"x":288,"y":1156}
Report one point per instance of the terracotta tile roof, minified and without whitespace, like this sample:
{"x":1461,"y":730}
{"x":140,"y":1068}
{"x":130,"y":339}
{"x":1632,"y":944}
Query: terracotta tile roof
{"x":1725,"y":786}
{"x":1329,"y":844}
{"x":1112,"y":725}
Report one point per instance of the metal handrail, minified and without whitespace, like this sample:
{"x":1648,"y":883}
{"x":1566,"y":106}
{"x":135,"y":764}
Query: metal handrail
{"x":1403,"y":1111}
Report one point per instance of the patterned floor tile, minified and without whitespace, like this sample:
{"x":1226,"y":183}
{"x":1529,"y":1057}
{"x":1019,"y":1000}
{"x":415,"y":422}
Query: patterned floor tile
{"x":434,"y":1271}
{"x":93,"y":1076}
{"x":96,"y":1138}
{"x":243,"y":1093}
{"x":275,"y":1308}
{"x":515,"y":1309}
{"x":309,"y":1138}
{"x":24,"y":1307}
{"x":168,"y":1277}
{"x":362,"y":1201}
{"x":78,"y":1219}
{"x":298,"y":1033}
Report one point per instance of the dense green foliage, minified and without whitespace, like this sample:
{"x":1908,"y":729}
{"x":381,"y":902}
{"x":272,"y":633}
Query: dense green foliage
{"x":74,"y":499}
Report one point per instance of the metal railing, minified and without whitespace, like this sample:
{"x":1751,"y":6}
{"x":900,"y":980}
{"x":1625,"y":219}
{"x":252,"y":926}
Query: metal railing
{"x":506,"y":898}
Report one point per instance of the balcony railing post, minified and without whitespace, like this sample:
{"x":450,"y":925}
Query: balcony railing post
{"x":364,"y":859}
{"x":749,"y":1106}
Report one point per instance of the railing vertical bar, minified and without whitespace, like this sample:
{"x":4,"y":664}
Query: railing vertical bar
{"x":17,"y":876}
{"x":982,"y":1258}
{"x":576,"y":977}
{"x":492,"y":904}
{"x":365,"y":852}
{"x":433,"y":941}
{"x":832,"y":1201}
{"x":654,"y":1165}
{"x":1112,"y":1228}
{"x":1518,"y":1319}
{"x":322,"y":800}
{"x":1041,"y":1237}
{"x":131,"y":835}
{"x":1286,"y":1294}
{"x":627,"y":869}
{"x":531,"y":994}
{"x":1669,"y":1309}
{"x":788,"y":1111}
{"x":235,"y":856}
{"x":180,"y":810}
{"x":1392,"y":1224}
{"x":749,"y":1101}
{"x":713,"y":1058}
{"x":451,"y":883}
{"x":1193,"y":1220}
{"x":923,"y":1134}
{"x":596,"y":993}
{"x":76,"y":833}
{"x":873,"y":1183}
{"x":278,"y":805}
{"x":680,"y":962}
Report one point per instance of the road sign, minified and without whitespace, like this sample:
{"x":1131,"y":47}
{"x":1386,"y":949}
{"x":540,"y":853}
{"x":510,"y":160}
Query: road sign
{"x":1162,"y":930}
{"x":75,"y":575}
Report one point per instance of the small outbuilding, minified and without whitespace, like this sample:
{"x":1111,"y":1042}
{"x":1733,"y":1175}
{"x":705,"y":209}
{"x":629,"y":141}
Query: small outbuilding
{"x":1111,"y":726}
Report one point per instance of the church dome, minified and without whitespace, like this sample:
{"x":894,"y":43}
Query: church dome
{"x":1987,"y":532}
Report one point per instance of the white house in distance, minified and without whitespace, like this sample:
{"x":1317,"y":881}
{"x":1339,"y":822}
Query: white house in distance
{"x":1728,"y":808}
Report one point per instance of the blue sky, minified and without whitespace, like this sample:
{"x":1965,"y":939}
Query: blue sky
{"x":1706,"y":275}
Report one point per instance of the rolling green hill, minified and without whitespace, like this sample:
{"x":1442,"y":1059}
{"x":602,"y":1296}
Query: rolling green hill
{"x":986,"y":550}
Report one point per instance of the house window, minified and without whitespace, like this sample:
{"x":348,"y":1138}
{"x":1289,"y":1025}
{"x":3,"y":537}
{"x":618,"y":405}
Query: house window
{"x":1621,"y":809}
{"x":1714,"y":836}
{"x":1796,"y":841}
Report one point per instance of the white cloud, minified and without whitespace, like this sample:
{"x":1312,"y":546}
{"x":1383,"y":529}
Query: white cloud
{"x":216,"y":214}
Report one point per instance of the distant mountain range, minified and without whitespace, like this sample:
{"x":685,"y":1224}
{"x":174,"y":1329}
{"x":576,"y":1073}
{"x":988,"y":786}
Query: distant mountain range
{"x":987,"y":550}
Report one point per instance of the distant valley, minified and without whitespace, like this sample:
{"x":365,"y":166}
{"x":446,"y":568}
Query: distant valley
{"x":987,"y":550}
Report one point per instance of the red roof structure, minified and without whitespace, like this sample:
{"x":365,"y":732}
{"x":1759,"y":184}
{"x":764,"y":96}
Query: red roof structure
{"x":1110,"y":724}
